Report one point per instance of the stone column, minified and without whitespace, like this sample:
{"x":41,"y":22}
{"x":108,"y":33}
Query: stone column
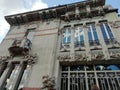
{"x":72,"y":52}
{"x":57,"y":64}
{"x":86,"y":41}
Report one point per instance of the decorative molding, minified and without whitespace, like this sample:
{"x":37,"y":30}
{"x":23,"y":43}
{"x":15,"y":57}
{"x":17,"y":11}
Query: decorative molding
{"x":97,"y":56}
{"x":3,"y":59}
{"x":115,"y":24}
{"x":48,"y":82}
{"x":64,"y":57}
{"x":31,"y":59}
{"x":114,"y":54}
{"x":80,"y":57}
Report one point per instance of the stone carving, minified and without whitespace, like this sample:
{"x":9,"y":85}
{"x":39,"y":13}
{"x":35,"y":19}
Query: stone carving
{"x":80,"y":57}
{"x":48,"y":82}
{"x":64,"y":57}
{"x":31,"y":59}
{"x":3,"y":59}
{"x":115,"y":24}
{"x":20,"y":47}
{"x":97,"y":56}
{"x":114,"y":54}
{"x":16,"y":43}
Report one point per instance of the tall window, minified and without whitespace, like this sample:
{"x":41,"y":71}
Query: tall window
{"x":92,"y":35}
{"x":66,"y":37}
{"x":79,"y":37}
{"x":30,"y":33}
{"x":107,"y":34}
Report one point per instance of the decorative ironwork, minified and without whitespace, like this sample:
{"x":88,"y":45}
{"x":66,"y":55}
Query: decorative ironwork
{"x":76,"y":80}
{"x":95,"y":87}
{"x":20,"y":47}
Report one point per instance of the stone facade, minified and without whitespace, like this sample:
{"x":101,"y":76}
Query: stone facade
{"x":65,"y":43}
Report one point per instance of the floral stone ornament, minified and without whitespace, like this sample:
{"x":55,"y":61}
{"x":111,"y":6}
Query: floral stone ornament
{"x":48,"y":82}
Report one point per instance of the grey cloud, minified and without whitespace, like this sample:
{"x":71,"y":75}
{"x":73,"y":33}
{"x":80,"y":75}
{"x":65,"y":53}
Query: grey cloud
{"x":8,"y":7}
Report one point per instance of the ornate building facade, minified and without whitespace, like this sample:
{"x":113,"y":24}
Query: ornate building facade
{"x":68,"y":47}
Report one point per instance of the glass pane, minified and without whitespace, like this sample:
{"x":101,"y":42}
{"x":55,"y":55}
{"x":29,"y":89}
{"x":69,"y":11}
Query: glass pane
{"x":79,"y":37}
{"x":25,"y":76}
{"x":103,"y":32}
{"x":63,"y":40}
{"x":66,"y":38}
{"x":109,"y":31}
{"x":89,"y":35}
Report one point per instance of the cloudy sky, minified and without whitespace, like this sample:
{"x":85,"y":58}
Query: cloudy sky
{"x":8,"y":7}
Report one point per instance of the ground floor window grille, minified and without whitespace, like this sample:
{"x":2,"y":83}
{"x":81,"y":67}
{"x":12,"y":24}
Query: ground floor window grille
{"x":81,"y":78}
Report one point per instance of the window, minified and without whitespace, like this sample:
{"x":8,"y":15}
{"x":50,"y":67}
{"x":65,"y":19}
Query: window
{"x":25,"y":76}
{"x":79,"y":37}
{"x":106,"y":32}
{"x":10,"y":80}
{"x":66,"y":37}
{"x":30,"y":33}
{"x":92,"y":35}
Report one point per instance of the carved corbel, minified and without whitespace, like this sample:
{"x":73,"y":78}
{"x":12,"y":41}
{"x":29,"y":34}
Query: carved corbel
{"x":64,"y":57}
{"x":3,"y":59}
{"x":48,"y":82}
{"x":31,"y":59}
{"x":80,"y":57}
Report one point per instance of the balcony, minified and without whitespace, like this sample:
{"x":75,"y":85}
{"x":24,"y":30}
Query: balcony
{"x":20,"y":47}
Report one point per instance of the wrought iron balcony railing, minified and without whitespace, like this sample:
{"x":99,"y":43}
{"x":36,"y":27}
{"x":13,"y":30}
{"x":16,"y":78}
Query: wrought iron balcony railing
{"x":20,"y":47}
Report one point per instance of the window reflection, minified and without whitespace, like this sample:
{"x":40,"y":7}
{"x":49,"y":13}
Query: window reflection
{"x":89,"y":68}
{"x":13,"y":75}
{"x":92,"y":35}
{"x":107,"y":33}
{"x":109,"y":67}
{"x":66,"y":38}
{"x":24,"y":77}
{"x":79,"y":37}
{"x":76,"y":68}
